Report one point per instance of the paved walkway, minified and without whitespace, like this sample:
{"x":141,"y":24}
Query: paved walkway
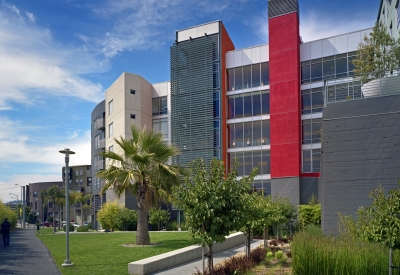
{"x":26,"y":255}
{"x":190,"y":268}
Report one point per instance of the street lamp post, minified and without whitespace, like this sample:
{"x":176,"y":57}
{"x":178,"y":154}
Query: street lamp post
{"x":67,"y":152}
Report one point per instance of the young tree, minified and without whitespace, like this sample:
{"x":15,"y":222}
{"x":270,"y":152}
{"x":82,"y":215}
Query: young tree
{"x":254,"y":215}
{"x":140,"y":166}
{"x":378,"y":53}
{"x":159,"y":216}
{"x":82,"y":199}
{"x":284,"y":211}
{"x":268,"y":211}
{"x":214,"y":205}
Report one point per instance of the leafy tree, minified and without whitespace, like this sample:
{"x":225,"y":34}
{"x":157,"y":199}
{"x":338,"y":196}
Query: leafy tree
{"x":127,"y":219}
{"x":254,"y":214}
{"x":267,"y":212}
{"x":378,"y":53}
{"x":159,"y":216}
{"x":82,"y":199}
{"x":140,"y":166}
{"x":284,"y":211}
{"x":53,"y":193}
{"x":6,"y":212}
{"x":214,"y":204}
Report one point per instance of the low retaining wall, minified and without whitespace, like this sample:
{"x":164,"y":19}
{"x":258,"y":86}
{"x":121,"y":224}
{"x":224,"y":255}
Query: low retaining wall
{"x":181,"y":256}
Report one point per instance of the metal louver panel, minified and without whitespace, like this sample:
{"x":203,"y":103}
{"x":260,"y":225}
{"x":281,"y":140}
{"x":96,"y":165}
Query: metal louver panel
{"x":280,"y":7}
{"x":192,"y":126}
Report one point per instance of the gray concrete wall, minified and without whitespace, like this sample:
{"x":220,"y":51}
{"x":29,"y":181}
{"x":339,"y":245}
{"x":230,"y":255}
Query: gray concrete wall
{"x":308,"y":186}
{"x":360,"y":150}
{"x":287,"y":188}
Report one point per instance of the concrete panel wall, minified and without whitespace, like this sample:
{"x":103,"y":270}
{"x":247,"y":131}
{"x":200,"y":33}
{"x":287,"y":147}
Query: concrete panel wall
{"x":360,"y":150}
{"x":287,"y":188}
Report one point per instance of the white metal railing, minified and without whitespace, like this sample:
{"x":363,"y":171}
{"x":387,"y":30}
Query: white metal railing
{"x":369,"y":85}
{"x":101,"y":144}
{"x":99,"y":123}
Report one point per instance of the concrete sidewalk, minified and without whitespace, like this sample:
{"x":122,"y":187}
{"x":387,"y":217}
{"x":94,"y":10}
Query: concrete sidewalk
{"x":190,"y":268}
{"x":26,"y":255}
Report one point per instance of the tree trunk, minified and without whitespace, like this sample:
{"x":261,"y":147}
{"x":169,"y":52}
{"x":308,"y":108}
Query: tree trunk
{"x":265,"y":237}
{"x":248,"y":236}
{"x":210,"y":260}
{"x":142,"y":233}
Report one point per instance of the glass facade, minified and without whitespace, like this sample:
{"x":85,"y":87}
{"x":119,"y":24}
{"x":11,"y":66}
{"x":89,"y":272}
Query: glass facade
{"x":248,"y":104}
{"x":335,"y":66}
{"x":311,"y":160}
{"x":248,"y":76}
{"x":159,"y":106}
{"x":312,"y":101}
{"x":311,"y":130}
{"x":161,"y":125}
{"x":247,"y":160}
{"x":261,"y":186}
{"x":246,"y":134}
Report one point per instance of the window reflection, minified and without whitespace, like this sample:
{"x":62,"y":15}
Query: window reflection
{"x":311,"y":161}
{"x":249,"y":159}
{"x":254,"y":75}
{"x":248,"y":104}
{"x":245,"y":134}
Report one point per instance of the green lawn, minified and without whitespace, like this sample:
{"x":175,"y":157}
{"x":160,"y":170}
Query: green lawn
{"x":103,"y":253}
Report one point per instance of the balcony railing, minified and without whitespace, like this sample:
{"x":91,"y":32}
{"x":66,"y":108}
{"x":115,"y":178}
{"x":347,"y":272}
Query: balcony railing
{"x":99,"y":124}
{"x":370,"y":85}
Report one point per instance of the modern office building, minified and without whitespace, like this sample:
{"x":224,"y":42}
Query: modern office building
{"x":264,"y":105}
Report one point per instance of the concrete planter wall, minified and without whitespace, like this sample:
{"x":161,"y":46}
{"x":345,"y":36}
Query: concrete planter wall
{"x":386,"y":85}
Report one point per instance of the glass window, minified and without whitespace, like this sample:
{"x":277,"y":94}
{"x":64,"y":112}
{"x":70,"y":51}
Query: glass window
{"x":247,"y":162}
{"x":246,"y":77}
{"x":111,"y":148}
{"x":265,"y":102}
{"x":231,"y":78}
{"x":164,"y":127}
{"x":35,"y":193}
{"x":311,"y":161}
{"x":306,"y":161}
{"x":257,"y":134}
{"x":329,"y":69}
{"x":316,"y":72}
{"x":265,"y":132}
{"x":155,"y":106}
{"x":317,"y":99}
{"x":133,"y":92}
{"x":231,"y":107}
{"x":81,"y":172}
{"x":316,"y":160}
{"x":257,"y":161}
{"x":255,"y":75}
{"x":216,"y":75}
{"x":305,"y":101}
{"x":256,"y":98}
{"x":248,"y":133}
{"x":231,"y":131}
{"x":247,"y":110}
{"x":341,"y":67}
{"x":350,"y":64}
{"x":316,"y":130}
{"x":305,"y":74}
{"x":238,"y":78}
{"x":240,"y":168}
{"x":133,"y":116}
{"x":110,"y":129}
{"x":306,"y":131}
{"x":265,"y":158}
{"x":264,"y":73}
{"x":163,"y":105}
{"x":110,"y":107}
{"x":238,"y":106}
{"x":239,"y":135}
{"x":77,"y":172}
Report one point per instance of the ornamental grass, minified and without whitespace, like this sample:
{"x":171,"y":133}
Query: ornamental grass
{"x":340,"y":255}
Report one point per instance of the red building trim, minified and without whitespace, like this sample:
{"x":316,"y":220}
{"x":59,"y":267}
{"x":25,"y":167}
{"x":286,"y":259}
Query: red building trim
{"x":310,"y":175}
{"x":284,"y":58}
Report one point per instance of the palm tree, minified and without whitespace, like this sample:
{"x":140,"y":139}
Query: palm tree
{"x":82,"y":199}
{"x":43,"y":198}
{"x":73,"y":199}
{"x":140,"y":166}
{"x":53,"y":193}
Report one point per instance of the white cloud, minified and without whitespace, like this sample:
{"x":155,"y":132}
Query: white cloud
{"x":31,"y":63}
{"x":30,"y":16}
{"x":18,"y":145}
{"x":315,"y":25}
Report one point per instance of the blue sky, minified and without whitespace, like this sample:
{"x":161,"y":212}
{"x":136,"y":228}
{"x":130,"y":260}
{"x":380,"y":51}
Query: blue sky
{"x":58,"y":57}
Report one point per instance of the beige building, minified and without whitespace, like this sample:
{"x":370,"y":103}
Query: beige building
{"x":133,"y":100}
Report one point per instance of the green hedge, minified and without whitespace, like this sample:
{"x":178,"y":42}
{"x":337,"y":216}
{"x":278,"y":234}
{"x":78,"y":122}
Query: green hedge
{"x":71,"y":228}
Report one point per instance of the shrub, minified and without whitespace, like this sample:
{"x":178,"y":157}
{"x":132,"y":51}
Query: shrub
{"x":270,"y":255}
{"x":116,"y":217}
{"x":157,"y":217}
{"x":258,"y":255}
{"x":171,"y":226}
{"x":6,"y":212}
{"x":71,"y":228}
{"x":279,"y":255}
{"x":89,"y":225}
{"x":82,"y":229}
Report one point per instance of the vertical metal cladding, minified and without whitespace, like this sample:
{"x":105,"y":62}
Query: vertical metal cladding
{"x":193,"y":78}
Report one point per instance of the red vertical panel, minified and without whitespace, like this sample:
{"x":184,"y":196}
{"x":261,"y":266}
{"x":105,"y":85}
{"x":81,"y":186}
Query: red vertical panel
{"x":226,"y":46}
{"x":284,"y":59}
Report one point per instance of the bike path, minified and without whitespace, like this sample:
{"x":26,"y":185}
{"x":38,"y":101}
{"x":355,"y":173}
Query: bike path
{"x":26,"y":255}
